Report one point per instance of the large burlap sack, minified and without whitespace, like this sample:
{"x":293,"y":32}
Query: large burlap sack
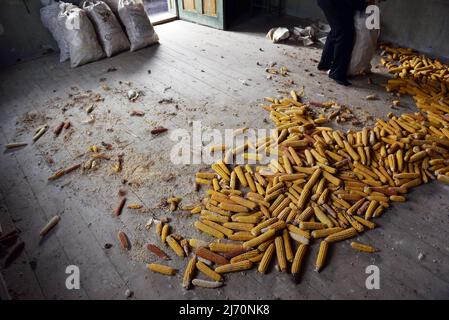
{"x":364,"y":47}
{"x":80,"y":35}
{"x":49,"y":17}
{"x":139,"y":29}
{"x":110,"y":34}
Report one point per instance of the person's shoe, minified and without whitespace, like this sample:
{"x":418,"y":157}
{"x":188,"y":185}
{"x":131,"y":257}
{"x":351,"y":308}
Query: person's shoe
{"x":323,"y":68}
{"x":342,"y":82}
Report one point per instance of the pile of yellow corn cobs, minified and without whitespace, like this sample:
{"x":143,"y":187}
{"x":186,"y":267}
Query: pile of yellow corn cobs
{"x":326,"y":186}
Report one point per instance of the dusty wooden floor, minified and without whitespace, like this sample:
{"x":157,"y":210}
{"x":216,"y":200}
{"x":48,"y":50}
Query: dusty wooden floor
{"x":200,"y":71}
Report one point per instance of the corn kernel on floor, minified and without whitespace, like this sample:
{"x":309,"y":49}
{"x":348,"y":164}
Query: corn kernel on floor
{"x":197,"y":73}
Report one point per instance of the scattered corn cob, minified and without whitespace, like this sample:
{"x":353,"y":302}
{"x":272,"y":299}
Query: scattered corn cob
{"x":202,"y":267}
{"x":234,"y":267}
{"x":189,"y":273}
{"x":50,"y":225}
{"x":159,"y":268}
{"x":322,"y":253}
{"x":363,"y":247}
{"x":206,"y":284}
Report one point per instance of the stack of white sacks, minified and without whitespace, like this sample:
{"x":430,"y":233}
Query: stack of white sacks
{"x":92,"y":31}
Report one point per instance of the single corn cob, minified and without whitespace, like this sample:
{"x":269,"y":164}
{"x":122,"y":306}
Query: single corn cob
{"x":164,"y":233}
{"x":322,"y":233}
{"x":297,"y":262}
{"x":258,"y":240}
{"x":202,"y":267}
{"x":206,"y":284}
{"x":234,"y":267}
{"x":266,"y":259}
{"x":189,"y":273}
{"x":224,"y":247}
{"x":280,"y":253}
{"x":159,"y":268}
{"x":363,"y":247}
{"x":175,"y":246}
{"x":342,"y":235}
{"x":287,"y":245}
{"x":322,"y":253}
{"x":209,"y":230}
{"x":245,"y":256}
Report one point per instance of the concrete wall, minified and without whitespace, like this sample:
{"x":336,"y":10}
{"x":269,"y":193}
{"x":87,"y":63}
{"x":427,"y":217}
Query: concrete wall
{"x":22,"y":35}
{"x":419,"y":24}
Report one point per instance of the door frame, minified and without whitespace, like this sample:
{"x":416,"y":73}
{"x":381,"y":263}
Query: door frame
{"x":199,"y":17}
{"x":173,"y":9}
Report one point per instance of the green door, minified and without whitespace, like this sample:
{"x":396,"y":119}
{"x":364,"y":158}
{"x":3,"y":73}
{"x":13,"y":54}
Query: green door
{"x":206,"y":12}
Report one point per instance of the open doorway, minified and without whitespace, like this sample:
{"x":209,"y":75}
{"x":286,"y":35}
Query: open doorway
{"x":160,"y":11}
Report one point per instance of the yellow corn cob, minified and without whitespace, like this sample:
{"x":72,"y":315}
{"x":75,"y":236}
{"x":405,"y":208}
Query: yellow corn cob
{"x":257,"y":229}
{"x":443,"y":178}
{"x":196,"y":243}
{"x":322,"y":253}
{"x":259,"y":239}
{"x":307,"y":225}
{"x":232,"y":207}
{"x":280,"y":253}
{"x":224,"y":247}
{"x":227,"y":232}
{"x":159,"y":268}
{"x":175,"y":246}
{"x":234,"y":267}
{"x":202,"y":267}
{"x":354,"y":155}
{"x":287,"y":245}
{"x":363,"y":247}
{"x":164,"y":232}
{"x":244,"y":202}
{"x":245,"y":256}
{"x":325,"y":232}
{"x":371,"y":208}
{"x":324,"y":219}
{"x":266,"y":259}
{"x":366,"y":223}
{"x":342,"y":235}
{"x":205,"y":175}
{"x":238,"y":226}
{"x":189,"y":273}
{"x":213,"y":217}
{"x":297,"y":261}
{"x":241,"y":176}
{"x":397,"y":198}
{"x":209,"y":230}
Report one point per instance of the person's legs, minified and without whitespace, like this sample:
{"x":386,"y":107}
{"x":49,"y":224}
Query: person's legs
{"x":327,"y":55}
{"x":341,"y":21}
{"x":344,"y":42}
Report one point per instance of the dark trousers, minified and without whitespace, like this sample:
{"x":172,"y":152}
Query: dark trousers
{"x":337,"y":51}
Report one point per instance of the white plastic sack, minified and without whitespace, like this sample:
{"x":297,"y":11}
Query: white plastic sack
{"x":278,"y":34}
{"x":80,"y":35}
{"x":109,"y":32}
{"x":364,"y":47}
{"x":137,"y":24}
{"x":49,"y":18}
{"x":112,"y":4}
